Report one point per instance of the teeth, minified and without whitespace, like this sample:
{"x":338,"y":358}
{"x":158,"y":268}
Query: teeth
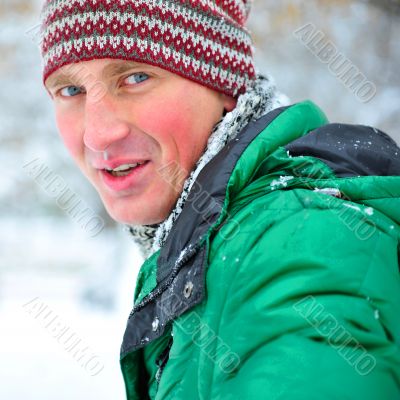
{"x":124,"y":167}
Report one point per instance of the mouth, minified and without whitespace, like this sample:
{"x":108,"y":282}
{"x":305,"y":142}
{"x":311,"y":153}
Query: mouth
{"x":125,"y":176}
{"x":124,"y":169}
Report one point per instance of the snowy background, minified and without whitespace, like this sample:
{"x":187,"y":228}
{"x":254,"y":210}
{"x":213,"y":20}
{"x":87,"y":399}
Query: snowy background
{"x":87,"y":282}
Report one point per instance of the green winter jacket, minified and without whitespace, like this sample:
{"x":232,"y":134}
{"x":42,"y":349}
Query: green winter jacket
{"x":280,"y":278}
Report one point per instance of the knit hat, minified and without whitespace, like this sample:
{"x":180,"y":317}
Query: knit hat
{"x":202,"y":40}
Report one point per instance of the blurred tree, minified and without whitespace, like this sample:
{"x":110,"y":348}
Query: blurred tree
{"x":367,"y":35}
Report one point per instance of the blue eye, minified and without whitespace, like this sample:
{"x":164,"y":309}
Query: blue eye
{"x":70,"y":91}
{"x":137,"y":77}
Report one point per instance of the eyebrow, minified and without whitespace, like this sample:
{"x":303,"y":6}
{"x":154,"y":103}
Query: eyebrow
{"x":108,"y":71}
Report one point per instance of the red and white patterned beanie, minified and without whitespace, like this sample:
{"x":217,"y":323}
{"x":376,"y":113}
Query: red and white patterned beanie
{"x":202,"y":40}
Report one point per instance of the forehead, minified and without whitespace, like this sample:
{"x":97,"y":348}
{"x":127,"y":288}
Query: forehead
{"x":79,"y":72}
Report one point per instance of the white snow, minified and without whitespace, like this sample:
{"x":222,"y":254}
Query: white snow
{"x":183,"y":253}
{"x":329,"y":191}
{"x":369,"y":211}
{"x":281,"y":182}
{"x":87,"y":283}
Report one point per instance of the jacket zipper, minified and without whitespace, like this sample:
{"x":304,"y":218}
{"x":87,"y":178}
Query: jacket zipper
{"x":166,"y":284}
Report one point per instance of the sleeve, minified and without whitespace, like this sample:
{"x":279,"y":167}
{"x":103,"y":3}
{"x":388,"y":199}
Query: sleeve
{"x":313,"y":306}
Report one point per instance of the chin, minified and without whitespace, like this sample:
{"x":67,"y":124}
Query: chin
{"x":126,"y":211}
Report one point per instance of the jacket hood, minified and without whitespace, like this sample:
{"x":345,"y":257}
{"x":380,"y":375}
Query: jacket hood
{"x":298,"y":149}
{"x":357,"y":151}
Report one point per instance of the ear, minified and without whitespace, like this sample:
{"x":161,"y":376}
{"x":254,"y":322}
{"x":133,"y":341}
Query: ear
{"x":229,"y":102}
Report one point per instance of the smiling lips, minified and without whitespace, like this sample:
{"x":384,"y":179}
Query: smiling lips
{"x":119,"y":176}
{"x":123,"y":169}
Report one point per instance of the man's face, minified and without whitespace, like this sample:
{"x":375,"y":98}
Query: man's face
{"x":136,"y":113}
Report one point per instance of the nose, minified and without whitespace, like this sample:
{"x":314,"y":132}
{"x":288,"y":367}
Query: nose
{"x":103,"y":126}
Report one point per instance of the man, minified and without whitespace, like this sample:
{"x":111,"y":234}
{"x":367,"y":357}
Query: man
{"x":271,"y":236}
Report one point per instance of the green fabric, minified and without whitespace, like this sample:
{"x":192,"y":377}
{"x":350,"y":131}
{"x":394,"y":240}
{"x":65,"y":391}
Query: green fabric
{"x":147,"y":278}
{"x":303,"y":297}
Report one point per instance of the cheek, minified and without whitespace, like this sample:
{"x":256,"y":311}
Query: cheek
{"x":176,"y":126}
{"x":69,"y":131}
